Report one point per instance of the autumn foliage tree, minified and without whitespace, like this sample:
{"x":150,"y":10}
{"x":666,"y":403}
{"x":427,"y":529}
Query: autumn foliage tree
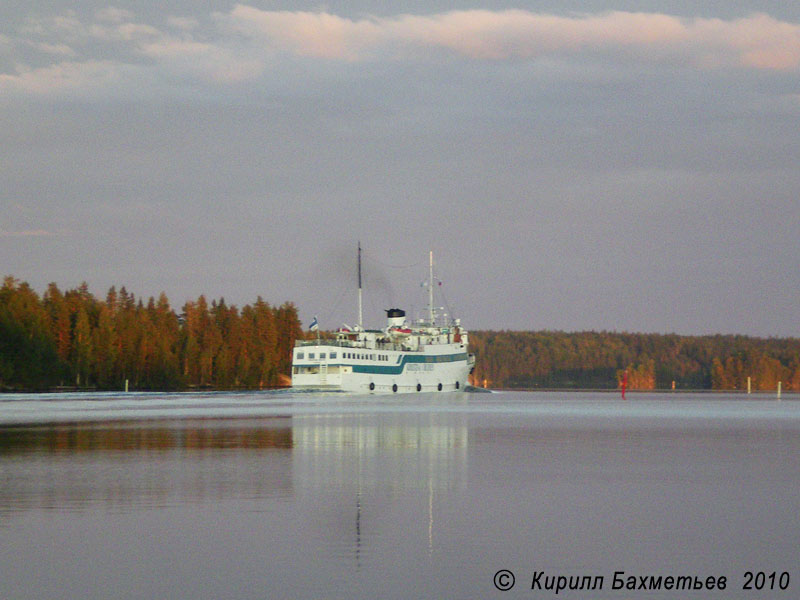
{"x":555,"y":359}
{"x":28,"y":350}
{"x":74,"y":339}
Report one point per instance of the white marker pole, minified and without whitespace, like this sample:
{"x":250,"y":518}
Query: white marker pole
{"x":779,"y":389}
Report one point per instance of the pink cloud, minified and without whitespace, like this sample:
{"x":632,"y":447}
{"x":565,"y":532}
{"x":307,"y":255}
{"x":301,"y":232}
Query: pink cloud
{"x":757,"y":41}
{"x":244,"y":40}
{"x":320,"y":35}
{"x":68,"y":76}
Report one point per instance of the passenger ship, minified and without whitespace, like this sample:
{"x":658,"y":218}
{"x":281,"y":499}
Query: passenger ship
{"x":428,"y":355}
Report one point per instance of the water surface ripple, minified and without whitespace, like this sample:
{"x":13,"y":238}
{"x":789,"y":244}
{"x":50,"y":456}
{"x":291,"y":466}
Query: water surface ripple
{"x":285,"y":495}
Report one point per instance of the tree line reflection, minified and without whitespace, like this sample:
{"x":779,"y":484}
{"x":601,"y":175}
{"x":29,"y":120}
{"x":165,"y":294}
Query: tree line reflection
{"x":196,"y":434}
{"x":142,"y":464}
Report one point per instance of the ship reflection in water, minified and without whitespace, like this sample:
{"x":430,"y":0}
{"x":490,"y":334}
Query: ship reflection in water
{"x":376,"y":473}
{"x":337,"y":492}
{"x":277,"y":495}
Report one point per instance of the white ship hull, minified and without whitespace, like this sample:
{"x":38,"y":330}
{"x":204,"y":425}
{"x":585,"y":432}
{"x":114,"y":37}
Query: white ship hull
{"x":441,"y":368}
{"x":429,"y":355}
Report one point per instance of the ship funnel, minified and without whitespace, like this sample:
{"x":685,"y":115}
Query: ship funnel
{"x":395,"y":317}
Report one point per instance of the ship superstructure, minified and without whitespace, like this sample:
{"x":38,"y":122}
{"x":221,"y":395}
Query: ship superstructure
{"x":426,"y":355}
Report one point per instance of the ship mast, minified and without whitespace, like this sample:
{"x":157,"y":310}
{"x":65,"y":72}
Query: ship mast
{"x":430,"y":289}
{"x":360,"y":326}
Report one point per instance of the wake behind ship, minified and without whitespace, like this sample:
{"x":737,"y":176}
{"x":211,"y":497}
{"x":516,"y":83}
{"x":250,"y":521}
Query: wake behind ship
{"x":427,"y":355}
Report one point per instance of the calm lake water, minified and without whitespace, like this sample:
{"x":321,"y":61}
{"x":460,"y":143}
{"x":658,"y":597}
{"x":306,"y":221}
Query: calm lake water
{"x":281,"y":495}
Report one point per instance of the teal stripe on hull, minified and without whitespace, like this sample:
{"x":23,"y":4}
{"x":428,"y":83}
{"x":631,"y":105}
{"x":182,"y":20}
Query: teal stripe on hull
{"x":408,"y":358}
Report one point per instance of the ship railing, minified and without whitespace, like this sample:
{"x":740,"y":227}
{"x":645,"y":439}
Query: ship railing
{"x":323,"y":342}
{"x":352,"y":344}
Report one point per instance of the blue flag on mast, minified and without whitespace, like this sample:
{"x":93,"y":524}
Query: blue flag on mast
{"x":314,"y":325}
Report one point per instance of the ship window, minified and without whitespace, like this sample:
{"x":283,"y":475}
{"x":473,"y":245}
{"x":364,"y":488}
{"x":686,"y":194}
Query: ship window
{"x":311,"y":355}
{"x":322,"y":356}
{"x":333,"y":354}
{"x":300,"y":355}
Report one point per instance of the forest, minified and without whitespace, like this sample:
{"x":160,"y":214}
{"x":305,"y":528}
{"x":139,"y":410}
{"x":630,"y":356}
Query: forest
{"x":71,"y":339}
{"x":554,"y":359}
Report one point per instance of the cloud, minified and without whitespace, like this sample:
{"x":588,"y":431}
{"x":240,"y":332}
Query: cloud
{"x":320,"y":35}
{"x":64,"y":28}
{"x":56,"y":49}
{"x":236,"y":46}
{"x":68,"y":76}
{"x":124,"y":32}
{"x":203,"y":60}
{"x":758,"y":41}
{"x":113,"y":15}
{"x":186,"y":23}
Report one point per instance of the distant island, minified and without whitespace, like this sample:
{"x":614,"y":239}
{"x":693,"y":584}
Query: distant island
{"x":597,"y":360}
{"x":72,"y":340}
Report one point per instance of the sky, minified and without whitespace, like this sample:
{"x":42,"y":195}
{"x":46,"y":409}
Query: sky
{"x":594,"y":165}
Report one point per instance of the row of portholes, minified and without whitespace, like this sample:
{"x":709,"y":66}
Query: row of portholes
{"x":419,"y":386}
